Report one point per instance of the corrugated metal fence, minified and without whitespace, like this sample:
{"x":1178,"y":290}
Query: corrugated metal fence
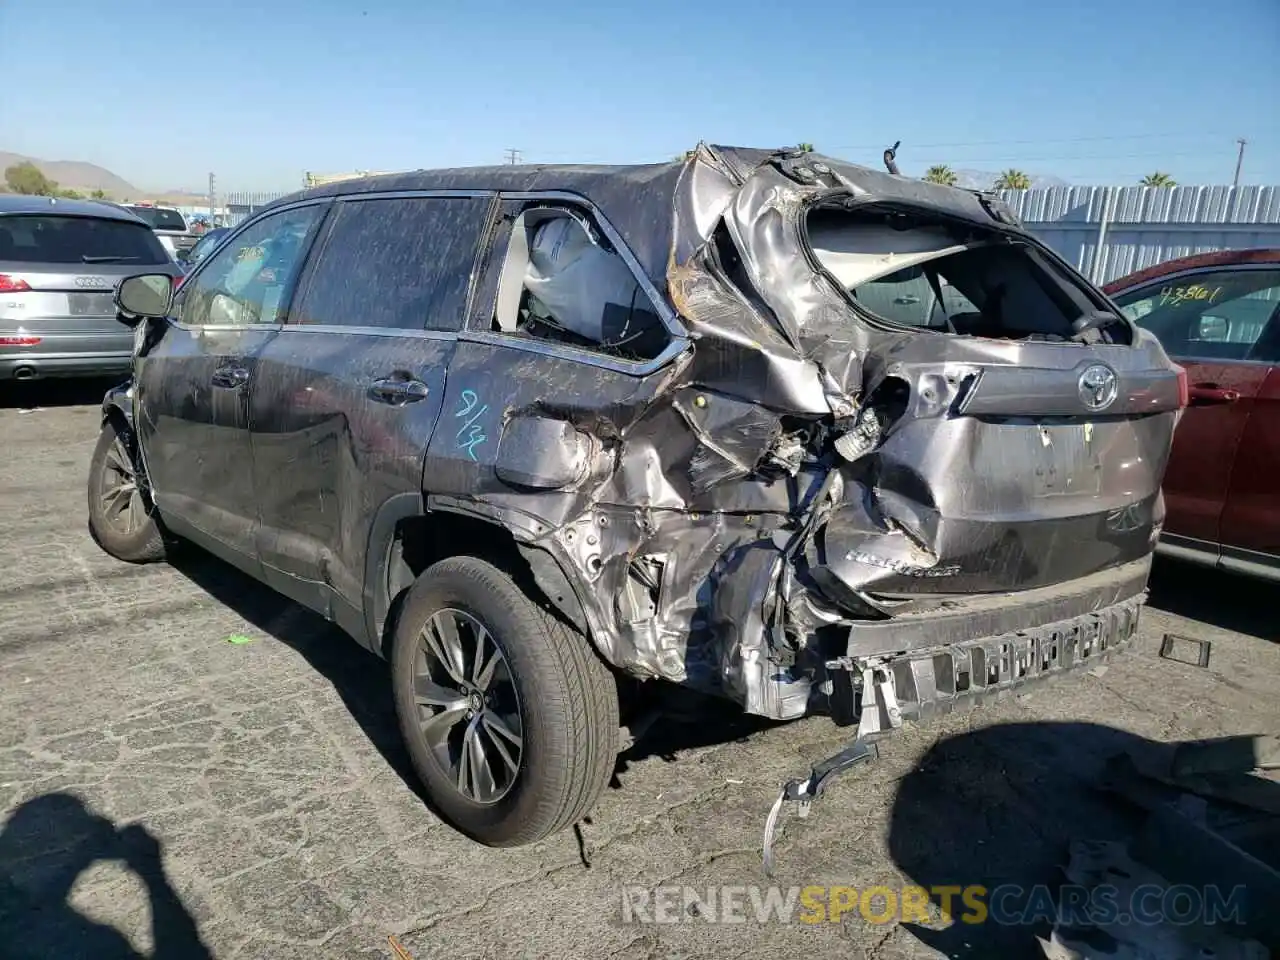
{"x":1105,"y":231}
{"x":1108,"y":232}
{"x":240,"y":203}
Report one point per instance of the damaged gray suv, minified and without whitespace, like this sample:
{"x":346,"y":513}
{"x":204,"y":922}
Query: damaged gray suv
{"x":804,"y":435}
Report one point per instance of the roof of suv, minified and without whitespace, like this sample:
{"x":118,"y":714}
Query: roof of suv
{"x":575,"y":178}
{"x":20,"y":203}
{"x":643,"y":201}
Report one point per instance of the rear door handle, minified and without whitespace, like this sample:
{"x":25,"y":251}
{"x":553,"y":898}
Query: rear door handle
{"x":397,"y":391}
{"x":1203,"y":395}
{"x":229,"y":378}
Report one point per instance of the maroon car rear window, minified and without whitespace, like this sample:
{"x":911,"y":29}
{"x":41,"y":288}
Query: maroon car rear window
{"x":46,"y":239}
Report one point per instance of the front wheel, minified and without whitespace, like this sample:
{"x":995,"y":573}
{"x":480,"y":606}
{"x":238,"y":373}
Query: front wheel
{"x":122,"y":518}
{"x":510,"y":718}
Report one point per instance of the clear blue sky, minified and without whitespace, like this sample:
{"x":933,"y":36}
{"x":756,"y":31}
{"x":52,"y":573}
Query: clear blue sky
{"x":258,"y":92}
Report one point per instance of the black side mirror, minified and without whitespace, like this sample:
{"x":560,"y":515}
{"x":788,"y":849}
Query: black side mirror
{"x":148,"y":295}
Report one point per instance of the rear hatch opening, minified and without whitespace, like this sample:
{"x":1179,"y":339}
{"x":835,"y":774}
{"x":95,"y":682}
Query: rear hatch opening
{"x":1012,"y":440}
{"x":906,"y":268}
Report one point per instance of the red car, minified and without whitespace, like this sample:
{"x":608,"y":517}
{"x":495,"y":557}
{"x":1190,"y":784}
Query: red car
{"x":1218,"y":315}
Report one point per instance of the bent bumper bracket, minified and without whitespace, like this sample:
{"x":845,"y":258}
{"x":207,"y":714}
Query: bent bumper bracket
{"x":805,"y":791}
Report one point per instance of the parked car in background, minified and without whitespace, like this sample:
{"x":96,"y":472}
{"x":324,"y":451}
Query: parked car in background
{"x":187,"y":259}
{"x":1218,"y":315}
{"x":169,"y":225}
{"x":524,"y":430}
{"x":60,"y":262}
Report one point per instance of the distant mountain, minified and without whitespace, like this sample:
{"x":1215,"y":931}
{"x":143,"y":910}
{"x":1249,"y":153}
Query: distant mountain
{"x":983,"y":179}
{"x":76,"y":175}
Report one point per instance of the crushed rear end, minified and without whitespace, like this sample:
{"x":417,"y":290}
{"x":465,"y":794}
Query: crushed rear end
{"x":976,"y":441}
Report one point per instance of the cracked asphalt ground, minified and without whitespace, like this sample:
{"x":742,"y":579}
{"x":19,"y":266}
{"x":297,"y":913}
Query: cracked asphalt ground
{"x":162,"y":787}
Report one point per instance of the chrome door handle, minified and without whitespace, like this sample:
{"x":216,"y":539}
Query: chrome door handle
{"x":229,"y":378}
{"x":396,"y":391}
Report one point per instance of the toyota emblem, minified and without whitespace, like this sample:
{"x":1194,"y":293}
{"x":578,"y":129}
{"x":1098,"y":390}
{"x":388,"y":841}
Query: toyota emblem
{"x":1098,"y":386}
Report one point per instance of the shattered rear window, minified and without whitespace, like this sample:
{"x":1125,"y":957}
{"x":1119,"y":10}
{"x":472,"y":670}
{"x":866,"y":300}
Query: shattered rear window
{"x":912,"y":271}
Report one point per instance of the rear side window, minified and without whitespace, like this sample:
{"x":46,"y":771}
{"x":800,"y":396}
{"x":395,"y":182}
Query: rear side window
{"x":46,"y":239}
{"x":399,"y":263}
{"x":160,"y":218}
{"x":1214,"y":315}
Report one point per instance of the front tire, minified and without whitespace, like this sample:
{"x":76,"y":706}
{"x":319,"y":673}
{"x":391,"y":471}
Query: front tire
{"x":122,"y":518}
{"x":510,"y":718}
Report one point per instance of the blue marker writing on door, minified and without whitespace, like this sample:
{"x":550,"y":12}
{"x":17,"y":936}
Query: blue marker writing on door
{"x":470,"y":434}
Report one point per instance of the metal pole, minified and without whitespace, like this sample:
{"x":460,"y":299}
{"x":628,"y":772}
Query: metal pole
{"x":1098,"y":251}
{"x":212,"y":200}
{"x":1239,"y":160}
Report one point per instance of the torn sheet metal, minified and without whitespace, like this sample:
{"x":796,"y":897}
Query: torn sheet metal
{"x":796,"y":467}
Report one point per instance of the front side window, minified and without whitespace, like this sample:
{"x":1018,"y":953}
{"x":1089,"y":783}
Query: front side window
{"x":403,"y":263}
{"x":909,"y":297}
{"x":79,"y":240}
{"x":1212,"y":315}
{"x":247,"y":280}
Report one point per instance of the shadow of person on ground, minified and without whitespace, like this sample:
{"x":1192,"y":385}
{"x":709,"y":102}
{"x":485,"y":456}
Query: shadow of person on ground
{"x":361,"y":679}
{"x":1000,"y":806}
{"x":45,"y":845}
{"x":1226,"y":600}
{"x":57,"y":392}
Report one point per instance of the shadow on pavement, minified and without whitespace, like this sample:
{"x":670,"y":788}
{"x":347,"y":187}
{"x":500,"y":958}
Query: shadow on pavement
{"x":999,"y":806}
{"x":45,"y":845}
{"x":665,"y":719}
{"x":361,"y":679}
{"x":687,"y":720}
{"x":1225,"y":600}
{"x":57,"y":392}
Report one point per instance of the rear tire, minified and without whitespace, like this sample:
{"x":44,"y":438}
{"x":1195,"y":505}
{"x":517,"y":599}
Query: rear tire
{"x":545,"y":716}
{"x":122,"y":518}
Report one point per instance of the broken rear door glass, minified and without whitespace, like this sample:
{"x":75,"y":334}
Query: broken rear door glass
{"x":562,"y":281}
{"x":910,"y":270}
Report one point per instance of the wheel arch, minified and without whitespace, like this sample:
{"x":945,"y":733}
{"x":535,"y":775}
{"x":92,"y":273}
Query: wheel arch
{"x":411,"y":532}
{"x":118,"y":403}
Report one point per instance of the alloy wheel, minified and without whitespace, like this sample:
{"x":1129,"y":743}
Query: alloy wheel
{"x":123,"y":506}
{"x":468,"y":707}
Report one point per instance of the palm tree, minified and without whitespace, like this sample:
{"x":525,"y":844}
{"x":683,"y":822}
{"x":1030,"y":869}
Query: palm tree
{"x":942,"y":174}
{"x":1158,"y":179}
{"x":1013,"y":180}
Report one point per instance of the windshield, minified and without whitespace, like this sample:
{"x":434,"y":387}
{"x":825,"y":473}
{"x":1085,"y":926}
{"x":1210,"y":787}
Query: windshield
{"x":206,"y":244}
{"x":45,"y":239}
{"x":160,"y":218}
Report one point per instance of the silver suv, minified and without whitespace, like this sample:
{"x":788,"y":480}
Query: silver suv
{"x":804,"y":435}
{"x":60,"y":263}
{"x":170,"y":226}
